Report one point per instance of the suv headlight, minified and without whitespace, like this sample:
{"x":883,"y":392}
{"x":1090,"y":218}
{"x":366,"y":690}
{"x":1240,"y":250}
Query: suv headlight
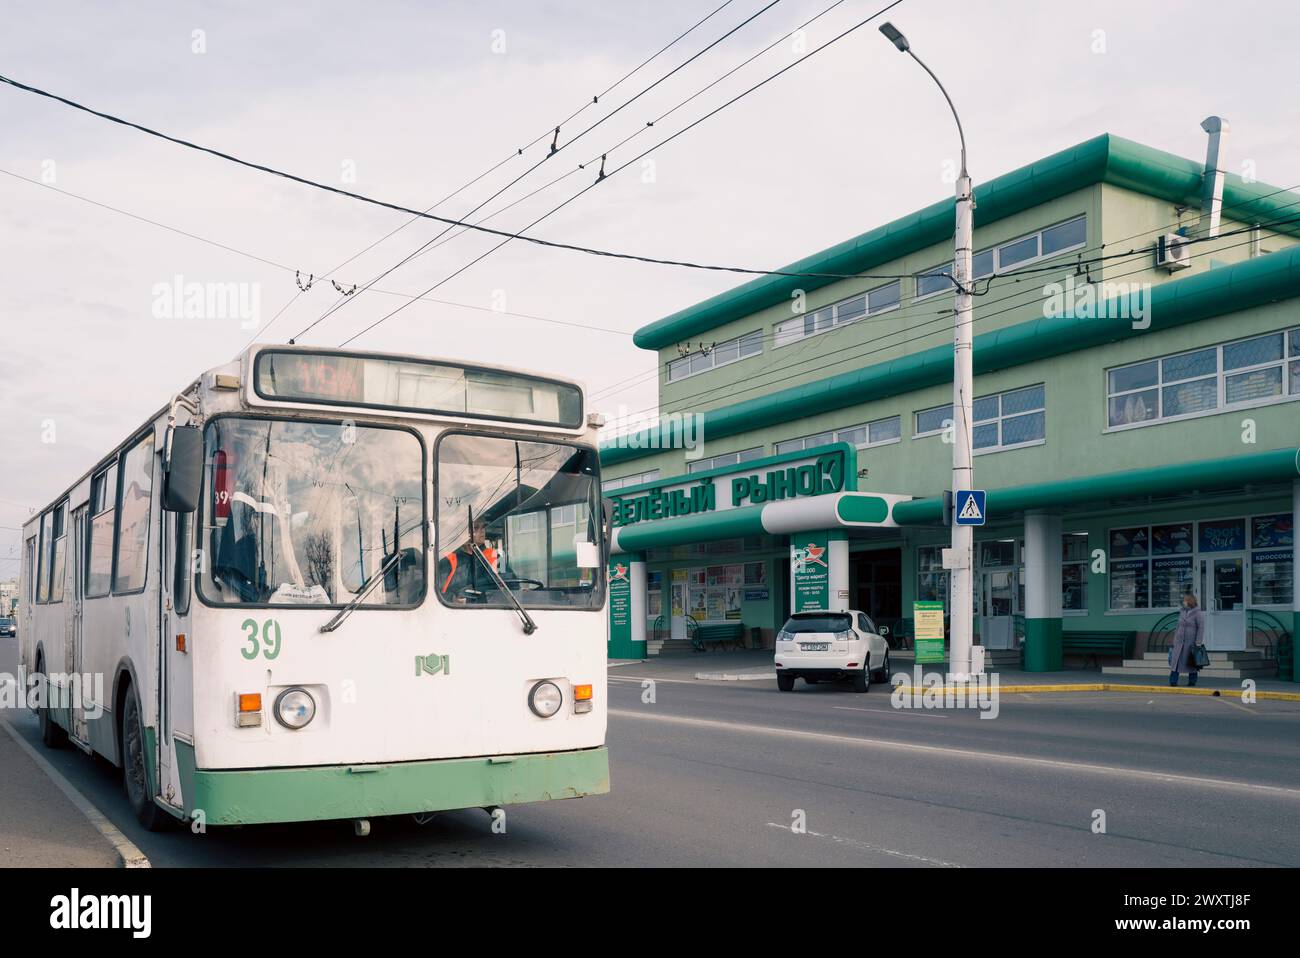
{"x":294,"y":708}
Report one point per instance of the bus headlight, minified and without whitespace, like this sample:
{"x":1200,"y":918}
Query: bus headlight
{"x":545,"y":699}
{"x":294,"y":708}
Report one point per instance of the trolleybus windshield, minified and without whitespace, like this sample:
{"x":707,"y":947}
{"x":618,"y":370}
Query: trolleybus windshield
{"x":535,"y":513}
{"x":305,"y":513}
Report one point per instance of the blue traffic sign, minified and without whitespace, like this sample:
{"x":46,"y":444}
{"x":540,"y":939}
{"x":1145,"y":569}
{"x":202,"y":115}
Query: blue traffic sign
{"x":970,"y":507}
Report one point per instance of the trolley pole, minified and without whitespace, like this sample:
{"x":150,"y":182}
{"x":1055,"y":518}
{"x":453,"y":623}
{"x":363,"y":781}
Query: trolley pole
{"x":961,"y":572}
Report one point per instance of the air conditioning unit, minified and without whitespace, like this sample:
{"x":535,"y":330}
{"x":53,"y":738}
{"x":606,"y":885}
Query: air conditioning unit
{"x":1173,"y":252}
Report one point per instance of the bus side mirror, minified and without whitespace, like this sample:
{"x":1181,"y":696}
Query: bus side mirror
{"x":182,"y":469}
{"x":607,"y":520}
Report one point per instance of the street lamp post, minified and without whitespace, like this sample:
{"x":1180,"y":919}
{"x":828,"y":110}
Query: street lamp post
{"x":961,"y":597}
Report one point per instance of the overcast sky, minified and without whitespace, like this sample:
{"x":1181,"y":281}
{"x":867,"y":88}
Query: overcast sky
{"x":406,"y":101}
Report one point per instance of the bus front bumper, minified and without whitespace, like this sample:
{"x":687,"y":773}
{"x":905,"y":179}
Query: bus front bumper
{"x":313,"y":793}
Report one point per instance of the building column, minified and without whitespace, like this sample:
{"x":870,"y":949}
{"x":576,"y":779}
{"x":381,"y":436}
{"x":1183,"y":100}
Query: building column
{"x":819,"y":571}
{"x":1042,"y":560}
{"x":1295,"y":582}
{"x":627,"y":605}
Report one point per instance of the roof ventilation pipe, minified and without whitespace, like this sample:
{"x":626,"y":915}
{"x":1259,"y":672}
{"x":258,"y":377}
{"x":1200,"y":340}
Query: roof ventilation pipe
{"x":1212,"y":187}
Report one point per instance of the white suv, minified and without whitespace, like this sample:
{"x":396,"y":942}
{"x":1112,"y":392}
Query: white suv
{"x":817,"y":646}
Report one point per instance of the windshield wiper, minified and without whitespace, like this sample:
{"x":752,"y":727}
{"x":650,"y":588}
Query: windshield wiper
{"x":374,"y":580}
{"x":529,"y":625}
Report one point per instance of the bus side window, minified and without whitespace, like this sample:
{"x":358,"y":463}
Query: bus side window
{"x":184,"y":568}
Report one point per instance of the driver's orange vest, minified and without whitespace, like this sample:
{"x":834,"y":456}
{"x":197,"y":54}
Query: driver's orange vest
{"x":453,"y":559}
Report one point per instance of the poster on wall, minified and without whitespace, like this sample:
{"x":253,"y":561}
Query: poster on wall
{"x":755,"y":573}
{"x":699,"y":603}
{"x":717,"y":604}
{"x":733,"y":602}
{"x":1269,"y":532}
{"x":679,"y":599}
{"x":810,"y":572}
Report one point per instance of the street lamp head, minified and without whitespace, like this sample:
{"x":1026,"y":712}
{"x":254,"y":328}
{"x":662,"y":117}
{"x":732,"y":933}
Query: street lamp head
{"x":893,"y":35}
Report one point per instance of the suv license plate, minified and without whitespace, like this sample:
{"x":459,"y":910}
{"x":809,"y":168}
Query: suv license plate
{"x":814,"y":646}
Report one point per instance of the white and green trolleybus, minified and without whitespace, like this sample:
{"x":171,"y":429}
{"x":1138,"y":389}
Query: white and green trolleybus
{"x":325,"y":584}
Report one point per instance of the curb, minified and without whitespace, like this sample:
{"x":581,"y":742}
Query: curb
{"x":126,"y":850}
{"x":1116,"y":687}
{"x":735,"y":676}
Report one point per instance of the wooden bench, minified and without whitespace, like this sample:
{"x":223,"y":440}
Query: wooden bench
{"x":719,"y":635}
{"x":1097,"y":644}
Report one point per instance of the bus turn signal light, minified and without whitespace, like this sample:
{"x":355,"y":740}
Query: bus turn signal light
{"x":248,"y":709}
{"x":581,"y":699}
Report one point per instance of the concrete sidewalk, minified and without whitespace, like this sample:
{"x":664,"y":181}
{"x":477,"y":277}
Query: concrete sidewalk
{"x":40,"y":827}
{"x":756,"y":665}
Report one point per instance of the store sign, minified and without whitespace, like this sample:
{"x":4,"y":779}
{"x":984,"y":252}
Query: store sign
{"x":814,"y":477}
{"x":620,"y":607}
{"x":810,"y":571}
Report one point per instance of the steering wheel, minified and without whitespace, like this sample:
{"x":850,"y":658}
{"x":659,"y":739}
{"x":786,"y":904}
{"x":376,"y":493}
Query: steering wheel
{"x":516,"y":582}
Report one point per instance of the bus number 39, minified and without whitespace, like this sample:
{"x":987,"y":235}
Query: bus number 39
{"x":270,"y":639}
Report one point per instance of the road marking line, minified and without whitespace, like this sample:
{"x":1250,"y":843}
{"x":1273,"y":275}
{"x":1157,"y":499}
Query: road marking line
{"x":650,"y":678}
{"x":969,"y":754}
{"x":867,"y":846}
{"x":893,"y":713}
{"x":131,"y":856}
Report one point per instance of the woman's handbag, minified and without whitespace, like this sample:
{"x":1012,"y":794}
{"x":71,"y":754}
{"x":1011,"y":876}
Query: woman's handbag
{"x":1200,"y":657}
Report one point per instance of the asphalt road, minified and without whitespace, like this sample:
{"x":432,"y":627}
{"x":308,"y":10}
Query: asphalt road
{"x":718,"y":773}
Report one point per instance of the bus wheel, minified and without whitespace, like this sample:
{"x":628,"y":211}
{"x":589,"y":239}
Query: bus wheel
{"x":134,"y":776}
{"x":52,"y":734}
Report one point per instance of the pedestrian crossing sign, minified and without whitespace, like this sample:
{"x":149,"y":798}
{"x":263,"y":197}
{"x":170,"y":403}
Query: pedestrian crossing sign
{"x":970,"y":507}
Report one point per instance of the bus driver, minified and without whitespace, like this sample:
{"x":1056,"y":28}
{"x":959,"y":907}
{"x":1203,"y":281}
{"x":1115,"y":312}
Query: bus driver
{"x":461,"y":575}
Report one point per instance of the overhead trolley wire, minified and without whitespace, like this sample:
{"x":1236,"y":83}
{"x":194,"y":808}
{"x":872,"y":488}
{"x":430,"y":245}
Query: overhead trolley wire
{"x":640,"y":156}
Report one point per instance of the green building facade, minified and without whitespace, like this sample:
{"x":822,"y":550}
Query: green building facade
{"x":1135,"y":422}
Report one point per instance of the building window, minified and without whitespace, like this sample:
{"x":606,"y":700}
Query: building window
{"x":741,"y":347}
{"x":99,"y":550}
{"x":1074,"y":572}
{"x":1250,"y":372}
{"x":1061,"y":238}
{"x":879,"y":300}
{"x":132,"y":551}
{"x":1002,"y":421}
{"x":931,"y":577}
{"x":609,"y":485}
{"x":869,"y":434}
{"x":726,"y":459}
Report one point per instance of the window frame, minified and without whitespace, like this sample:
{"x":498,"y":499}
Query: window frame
{"x":1290,"y":354}
{"x":129,"y":446}
{"x":430,"y":568}
{"x":57,"y":554}
{"x":1085,"y":562}
{"x":691,"y":467}
{"x":996,"y":249}
{"x":1000,"y":418}
{"x":600,"y":575}
{"x":836,"y":322}
{"x":100,"y":476}
{"x":837,"y":436}
{"x":669,"y":378}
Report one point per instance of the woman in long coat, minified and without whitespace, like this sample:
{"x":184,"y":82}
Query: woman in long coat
{"x":1189,"y":634}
